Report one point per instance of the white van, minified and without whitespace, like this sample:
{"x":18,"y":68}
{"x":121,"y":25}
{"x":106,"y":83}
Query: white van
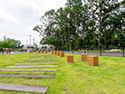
{"x":47,"y":47}
{"x":27,"y":47}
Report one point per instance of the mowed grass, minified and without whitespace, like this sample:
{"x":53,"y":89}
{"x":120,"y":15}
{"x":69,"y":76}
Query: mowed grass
{"x":77,"y":78}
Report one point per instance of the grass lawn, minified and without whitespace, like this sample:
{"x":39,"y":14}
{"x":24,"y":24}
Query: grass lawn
{"x":77,"y":78}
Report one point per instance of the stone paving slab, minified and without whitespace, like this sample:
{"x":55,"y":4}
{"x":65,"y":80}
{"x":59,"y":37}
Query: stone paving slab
{"x":38,"y":60}
{"x":28,"y":69}
{"x":33,"y":63}
{"x":25,"y":75}
{"x":41,"y":59}
{"x":31,"y":66}
{"x":27,"y":88}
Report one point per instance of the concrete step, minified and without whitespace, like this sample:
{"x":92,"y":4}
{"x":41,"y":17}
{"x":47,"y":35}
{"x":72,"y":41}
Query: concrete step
{"x":31,"y":66}
{"x":25,"y":75}
{"x":27,"y":88}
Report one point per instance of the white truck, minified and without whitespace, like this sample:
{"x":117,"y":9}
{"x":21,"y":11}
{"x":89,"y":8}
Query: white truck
{"x":47,"y":47}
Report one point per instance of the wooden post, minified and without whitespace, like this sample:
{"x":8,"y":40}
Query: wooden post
{"x":45,"y":51}
{"x":69,"y":59}
{"x":83,"y":57}
{"x":55,"y":52}
{"x":42,"y":51}
{"x":38,"y":51}
{"x":61,"y":54}
{"x":92,"y":60}
{"x":52,"y":52}
{"x":58,"y":53}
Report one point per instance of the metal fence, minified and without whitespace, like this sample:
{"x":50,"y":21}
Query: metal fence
{"x":95,"y":50}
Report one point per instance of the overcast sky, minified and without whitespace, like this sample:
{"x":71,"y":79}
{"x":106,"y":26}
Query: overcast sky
{"x":18,"y":17}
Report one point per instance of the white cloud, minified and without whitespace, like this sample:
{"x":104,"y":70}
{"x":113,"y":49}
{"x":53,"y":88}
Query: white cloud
{"x":6,"y":18}
{"x":18,"y":17}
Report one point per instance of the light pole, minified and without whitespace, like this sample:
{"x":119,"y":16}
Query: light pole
{"x":33,"y":40}
{"x":30,"y":42}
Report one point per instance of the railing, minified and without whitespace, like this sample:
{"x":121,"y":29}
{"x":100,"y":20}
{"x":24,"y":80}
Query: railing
{"x":102,"y":51}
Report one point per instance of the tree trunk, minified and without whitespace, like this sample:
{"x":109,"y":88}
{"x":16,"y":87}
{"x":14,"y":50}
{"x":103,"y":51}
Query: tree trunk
{"x":62,"y":39}
{"x":83,"y":29}
{"x":105,"y":35}
{"x":93,"y":24}
{"x":69,"y":36}
{"x":66,"y":43}
{"x":99,"y":34}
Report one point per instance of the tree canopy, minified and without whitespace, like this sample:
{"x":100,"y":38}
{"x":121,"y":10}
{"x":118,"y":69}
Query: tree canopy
{"x":10,"y":43}
{"x":89,"y":23}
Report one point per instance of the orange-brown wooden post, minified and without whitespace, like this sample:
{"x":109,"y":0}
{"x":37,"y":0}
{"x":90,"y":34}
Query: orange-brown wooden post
{"x":38,"y":51}
{"x":53,"y":52}
{"x":58,"y":53}
{"x":42,"y":51}
{"x":83,"y":57}
{"x":45,"y":51}
{"x":69,"y":59}
{"x":30,"y":51}
{"x":92,"y":60}
{"x":61,"y":54}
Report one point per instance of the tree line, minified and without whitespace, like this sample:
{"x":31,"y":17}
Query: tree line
{"x":10,"y":43}
{"x":91,"y":23}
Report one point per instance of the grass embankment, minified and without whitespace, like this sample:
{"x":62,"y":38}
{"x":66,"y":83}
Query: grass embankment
{"x":77,"y":78}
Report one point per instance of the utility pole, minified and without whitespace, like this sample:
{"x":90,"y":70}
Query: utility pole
{"x":30,"y":42}
{"x":33,"y":40}
{"x":26,"y":42}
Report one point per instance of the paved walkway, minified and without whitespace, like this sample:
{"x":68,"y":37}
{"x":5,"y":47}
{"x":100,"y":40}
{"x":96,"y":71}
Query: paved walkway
{"x":25,"y":75}
{"x":29,"y":88}
{"x":31,"y":66}
{"x":33,"y":63}
{"x":28,"y":69}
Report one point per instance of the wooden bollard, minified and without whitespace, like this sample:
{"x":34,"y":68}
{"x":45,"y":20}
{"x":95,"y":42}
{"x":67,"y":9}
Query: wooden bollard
{"x":58,"y":53}
{"x":92,"y":60}
{"x":55,"y":52}
{"x":69,"y":59}
{"x":83,"y":57}
{"x":42,"y":51}
{"x":52,"y":52}
{"x":61,"y":54}
{"x":30,"y":51}
{"x":45,"y":51}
